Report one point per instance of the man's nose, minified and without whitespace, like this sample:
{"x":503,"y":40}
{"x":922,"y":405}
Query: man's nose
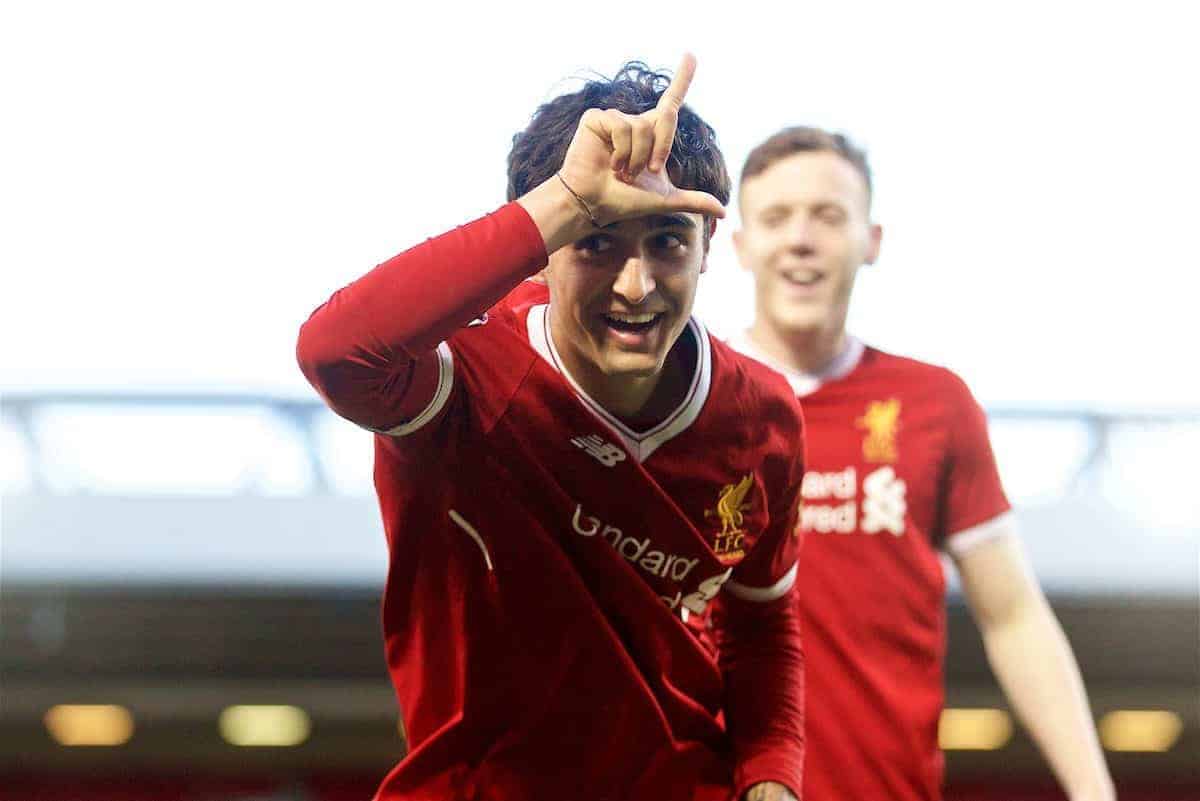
{"x":800,"y":236}
{"x":635,"y":282}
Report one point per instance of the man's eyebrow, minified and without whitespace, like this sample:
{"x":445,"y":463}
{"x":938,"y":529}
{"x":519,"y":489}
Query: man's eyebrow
{"x":671,"y":221}
{"x":661,"y":221}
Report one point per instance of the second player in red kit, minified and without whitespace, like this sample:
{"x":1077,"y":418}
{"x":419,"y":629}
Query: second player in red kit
{"x":903,"y":470}
{"x":900,"y":471}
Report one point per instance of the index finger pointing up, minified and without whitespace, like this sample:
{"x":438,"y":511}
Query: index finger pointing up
{"x":673,"y":98}
{"x":667,"y":111}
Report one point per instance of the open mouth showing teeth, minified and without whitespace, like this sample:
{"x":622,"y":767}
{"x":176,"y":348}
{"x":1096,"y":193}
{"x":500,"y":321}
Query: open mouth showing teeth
{"x":634,"y":323}
{"x":802,"y":278}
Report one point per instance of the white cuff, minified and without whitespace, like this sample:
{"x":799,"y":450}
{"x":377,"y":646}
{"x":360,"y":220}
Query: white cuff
{"x":763,"y":594}
{"x":440,"y":396}
{"x":1002,"y":525}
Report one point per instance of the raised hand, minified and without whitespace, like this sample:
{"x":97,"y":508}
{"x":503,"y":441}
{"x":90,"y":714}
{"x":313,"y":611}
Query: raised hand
{"x":615,"y":165}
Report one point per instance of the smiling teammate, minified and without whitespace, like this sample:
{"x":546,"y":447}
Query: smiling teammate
{"x":900,"y":469}
{"x":563,"y":478}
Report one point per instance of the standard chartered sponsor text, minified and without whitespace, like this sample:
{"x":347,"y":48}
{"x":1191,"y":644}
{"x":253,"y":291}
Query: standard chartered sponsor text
{"x":654,"y":561}
{"x":831,"y":502}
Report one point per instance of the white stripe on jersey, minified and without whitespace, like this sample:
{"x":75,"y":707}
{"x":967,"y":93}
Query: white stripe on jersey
{"x":763,"y":594}
{"x":473,"y":534}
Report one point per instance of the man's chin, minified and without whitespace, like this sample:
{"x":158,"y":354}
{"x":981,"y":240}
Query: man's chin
{"x":800,"y":321}
{"x":631,"y":365}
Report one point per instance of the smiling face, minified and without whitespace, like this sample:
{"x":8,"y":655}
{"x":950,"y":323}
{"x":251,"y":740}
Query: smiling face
{"x":621,"y":297}
{"x":806,"y":231}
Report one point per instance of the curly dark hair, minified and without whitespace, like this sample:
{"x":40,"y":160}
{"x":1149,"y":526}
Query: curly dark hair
{"x":538,"y":151}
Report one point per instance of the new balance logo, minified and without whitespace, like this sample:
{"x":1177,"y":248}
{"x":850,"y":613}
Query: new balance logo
{"x":605,"y":453}
{"x":884,"y":506}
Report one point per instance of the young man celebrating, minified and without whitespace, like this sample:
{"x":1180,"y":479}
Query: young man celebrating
{"x":900,"y":468}
{"x":561,"y":485}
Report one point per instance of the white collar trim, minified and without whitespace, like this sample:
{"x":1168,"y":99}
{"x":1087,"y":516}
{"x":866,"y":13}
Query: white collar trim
{"x":640,"y":443}
{"x":805,"y":383}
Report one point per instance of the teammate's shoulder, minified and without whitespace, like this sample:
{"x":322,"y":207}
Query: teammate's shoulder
{"x":909,"y":369}
{"x":733,"y":364}
{"x":746,"y":378}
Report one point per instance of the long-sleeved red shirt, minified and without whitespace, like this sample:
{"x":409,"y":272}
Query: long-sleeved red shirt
{"x":544,"y":556}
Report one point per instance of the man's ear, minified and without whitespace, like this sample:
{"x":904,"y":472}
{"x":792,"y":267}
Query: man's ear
{"x":737,"y":248}
{"x":710,"y":230}
{"x":873,"y":248}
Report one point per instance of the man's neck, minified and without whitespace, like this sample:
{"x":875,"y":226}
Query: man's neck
{"x":810,"y":351}
{"x":639,"y":402}
{"x":627,"y":399}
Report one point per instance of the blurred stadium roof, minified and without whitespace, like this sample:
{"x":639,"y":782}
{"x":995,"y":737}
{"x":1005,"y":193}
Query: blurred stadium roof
{"x":203,"y":488}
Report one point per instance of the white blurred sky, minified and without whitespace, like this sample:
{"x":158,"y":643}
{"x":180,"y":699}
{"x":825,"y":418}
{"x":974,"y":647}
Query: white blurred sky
{"x":183,"y":182}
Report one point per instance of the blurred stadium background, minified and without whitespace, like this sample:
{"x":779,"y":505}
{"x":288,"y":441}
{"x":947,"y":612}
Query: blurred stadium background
{"x":190,"y":553}
{"x":191,"y":592}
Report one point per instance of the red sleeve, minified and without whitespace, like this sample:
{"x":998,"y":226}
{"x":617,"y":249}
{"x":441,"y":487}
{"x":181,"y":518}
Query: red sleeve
{"x":371,"y":350}
{"x":972,"y":493}
{"x":763,"y":666}
{"x":757,"y":631}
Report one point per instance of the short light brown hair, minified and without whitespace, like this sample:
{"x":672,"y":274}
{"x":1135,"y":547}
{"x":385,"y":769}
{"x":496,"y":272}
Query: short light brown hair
{"x":804,"y":139}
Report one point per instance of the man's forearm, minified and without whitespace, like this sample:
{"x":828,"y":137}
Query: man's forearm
{"x":763,"y":665}
{"x":359,"y":348}
{"x":419,"y":297}
{"x":1034,"y":664}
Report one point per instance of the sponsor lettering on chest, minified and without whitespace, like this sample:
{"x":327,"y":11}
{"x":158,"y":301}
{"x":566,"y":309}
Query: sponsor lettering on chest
{"x":834,"y":504}
{"x":672,"y":569}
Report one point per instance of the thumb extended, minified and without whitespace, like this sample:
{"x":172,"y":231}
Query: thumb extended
{"x":694,"y":201}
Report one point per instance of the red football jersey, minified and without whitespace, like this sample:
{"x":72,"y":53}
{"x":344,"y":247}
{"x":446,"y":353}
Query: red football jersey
{"x":900,"y":468}
{"x":544,"y":557}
